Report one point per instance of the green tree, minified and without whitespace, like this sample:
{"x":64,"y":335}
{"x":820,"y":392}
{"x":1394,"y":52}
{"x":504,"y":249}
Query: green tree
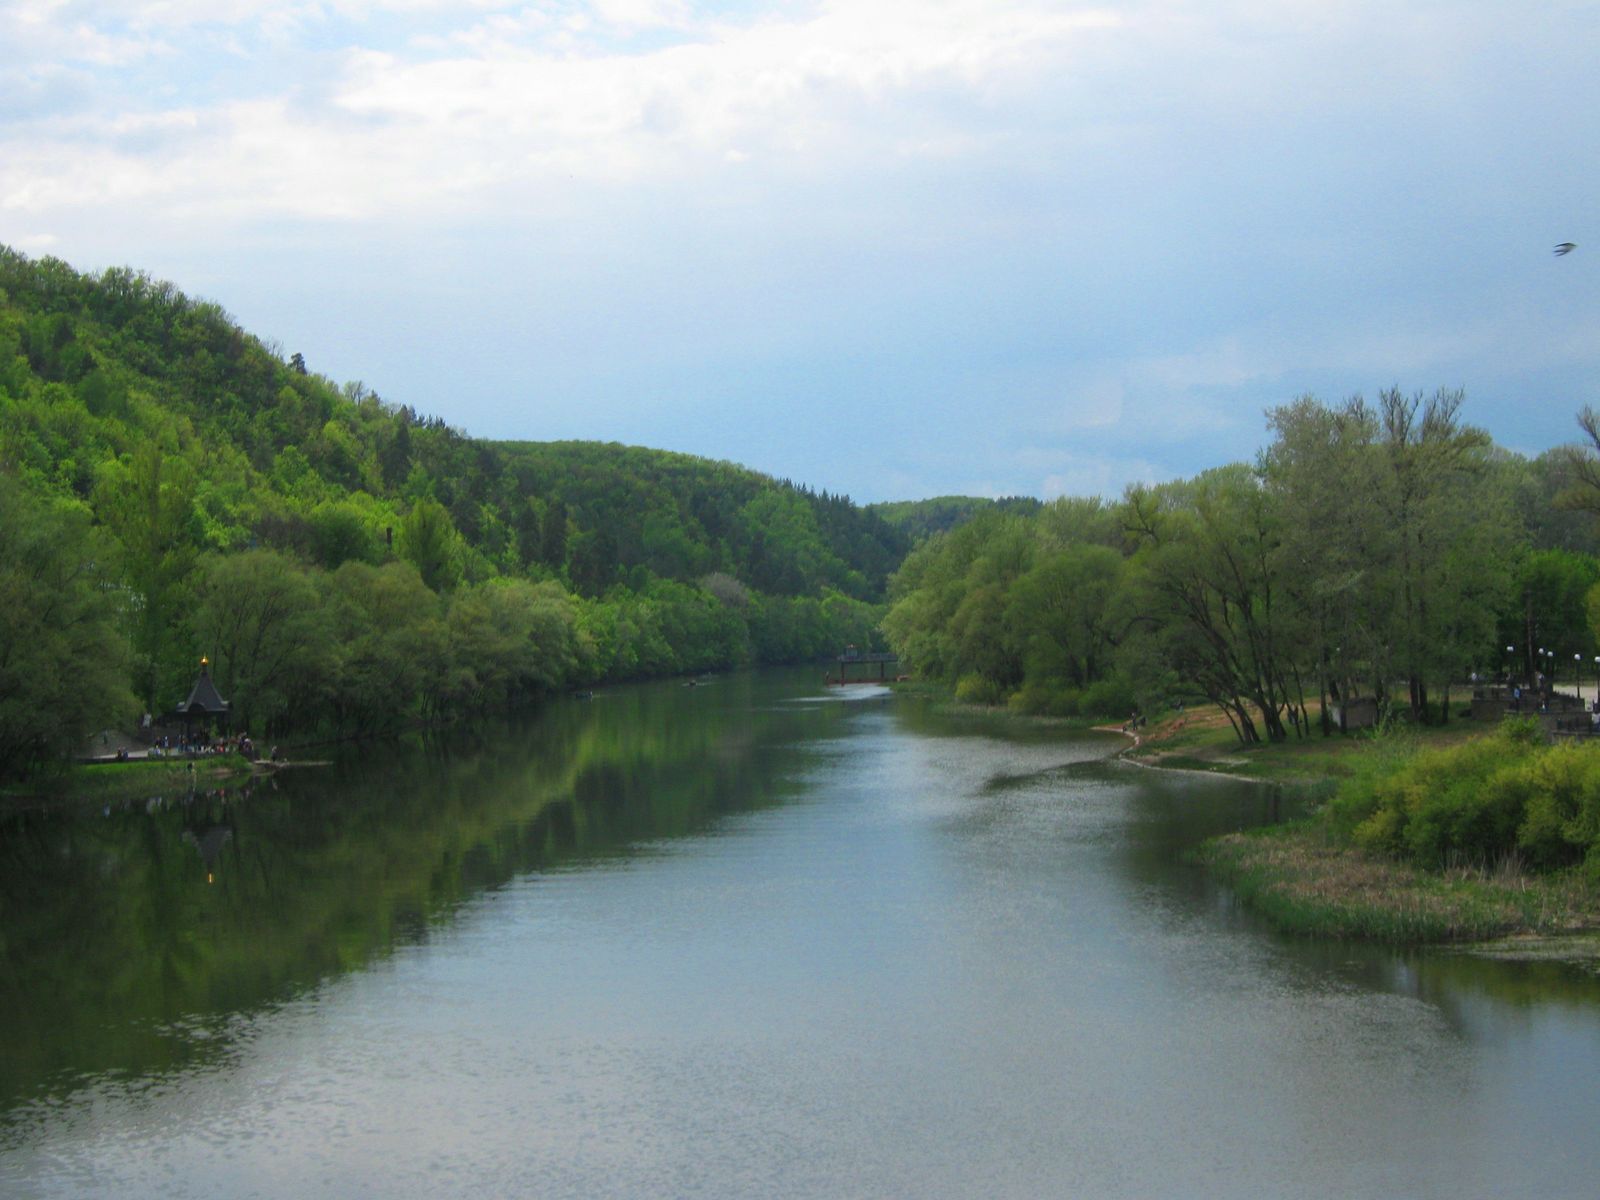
{"x":148,"y":503}
{"x":553,"y":535}
{"x":1061,"y":614}
{"x":62,"y":658}
{"x":392,"y":647}
{"x":1207,"y":578}
{"x":1324,"y":473}
{"x":510,"y":640}
{"x":429,"y":542}
{"x":1452,"y":536}
{"x":262,"y":620}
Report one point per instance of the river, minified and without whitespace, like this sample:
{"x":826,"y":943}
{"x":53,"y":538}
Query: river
{"x":749,"y":938}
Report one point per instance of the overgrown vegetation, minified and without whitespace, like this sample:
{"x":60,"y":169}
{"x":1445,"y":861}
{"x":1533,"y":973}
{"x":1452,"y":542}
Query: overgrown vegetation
{"x":1496,"y":834}
{"x":1304,"y":880}
{"x":1507,"y":798}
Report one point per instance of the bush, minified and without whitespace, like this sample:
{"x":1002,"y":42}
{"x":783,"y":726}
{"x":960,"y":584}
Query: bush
{"x":1471,"y":802}
{"x":1108,"y":698}
{"x":1045,"y":699}
{"x":979,"y":689}
{"x":1479,"y":802}
{"x":1563,"y":806}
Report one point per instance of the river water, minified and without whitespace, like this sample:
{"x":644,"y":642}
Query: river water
{"x":750,"y":938}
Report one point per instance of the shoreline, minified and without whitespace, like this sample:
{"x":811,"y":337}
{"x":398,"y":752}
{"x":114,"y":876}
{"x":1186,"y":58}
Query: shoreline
{"x":104,"y":782}
{"x":1302,"y":882}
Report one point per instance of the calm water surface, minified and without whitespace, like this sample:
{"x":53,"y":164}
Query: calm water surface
{"x":743,"y":939}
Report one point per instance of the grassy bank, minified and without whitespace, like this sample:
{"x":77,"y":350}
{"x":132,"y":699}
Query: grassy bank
{"x":1303,"y":879}
{"x":1202,"y":740}
{"x":1463,"y":834}
{"x":122,"y":780}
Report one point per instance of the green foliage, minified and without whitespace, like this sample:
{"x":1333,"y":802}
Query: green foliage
{"x":62,"y":657}
{"x":262,"y":621}
{"x":1370,"y":546}
{"x":428,"y":541}
{"x":351,"y":565}
{"x":1482,"y":802}
{"x":148,"y":504}
{"x":921,"y":519}
{"x":976,"y":688}
{"x":391,"y":646}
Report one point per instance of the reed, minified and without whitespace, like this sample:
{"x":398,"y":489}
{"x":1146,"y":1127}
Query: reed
{"x":1304,"y":879}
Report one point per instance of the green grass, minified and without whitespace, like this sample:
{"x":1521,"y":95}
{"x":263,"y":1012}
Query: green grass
{"x":1202,"y":740}
{"x":104,"y":781}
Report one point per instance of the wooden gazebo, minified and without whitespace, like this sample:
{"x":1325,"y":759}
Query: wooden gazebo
{"x":204,"y":705}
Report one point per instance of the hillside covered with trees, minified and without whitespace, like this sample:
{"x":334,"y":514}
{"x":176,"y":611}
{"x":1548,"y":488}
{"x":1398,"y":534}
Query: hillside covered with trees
{"x":172,"y":487}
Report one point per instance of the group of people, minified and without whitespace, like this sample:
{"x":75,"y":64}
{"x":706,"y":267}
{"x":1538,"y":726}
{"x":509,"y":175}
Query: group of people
{"x":168,"y":746}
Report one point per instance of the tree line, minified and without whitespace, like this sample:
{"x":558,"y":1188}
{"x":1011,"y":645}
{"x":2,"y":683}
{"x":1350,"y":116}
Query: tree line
{"x":1382,"y":550}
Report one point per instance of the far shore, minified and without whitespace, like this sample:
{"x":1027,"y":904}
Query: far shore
{"x":133,"y":778}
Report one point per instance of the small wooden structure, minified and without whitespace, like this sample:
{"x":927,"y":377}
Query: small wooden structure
{"x":853,"y":658}
{"x":204,"y":705}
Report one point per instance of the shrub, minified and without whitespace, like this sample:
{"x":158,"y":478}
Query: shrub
{"x":1108,"y":698}
{"x":1472,"y":801}
{"x":1563,"y":809}
{"x":974,"y":688}
{"x":1045,"y":699}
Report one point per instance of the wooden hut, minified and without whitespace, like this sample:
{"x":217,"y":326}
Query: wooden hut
{"x":205,"y":706}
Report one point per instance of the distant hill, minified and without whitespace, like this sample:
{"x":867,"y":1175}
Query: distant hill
{"x":918,"y":519}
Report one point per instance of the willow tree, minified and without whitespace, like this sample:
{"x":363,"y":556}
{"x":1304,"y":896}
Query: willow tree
{"x":1206,"y":576}
{"x":1449,"y":534}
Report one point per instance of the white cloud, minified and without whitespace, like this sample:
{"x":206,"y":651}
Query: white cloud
{"x":520,"y":104}
{"x":1117,"y":231}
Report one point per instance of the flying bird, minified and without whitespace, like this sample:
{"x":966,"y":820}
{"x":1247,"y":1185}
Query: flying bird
{"x":1566,"y":248}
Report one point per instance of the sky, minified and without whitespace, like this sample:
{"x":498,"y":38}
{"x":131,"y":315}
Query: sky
{"x":887,"y":248}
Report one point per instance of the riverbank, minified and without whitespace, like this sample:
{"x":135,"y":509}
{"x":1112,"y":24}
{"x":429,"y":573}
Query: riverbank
{"x":112,"y":781}
{"x":1305,"y":879}
{"x":1201,"y":739}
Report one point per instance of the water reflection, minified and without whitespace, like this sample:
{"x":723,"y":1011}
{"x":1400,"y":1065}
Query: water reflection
{"x":124,"y":925}
{"x":744,"y":938}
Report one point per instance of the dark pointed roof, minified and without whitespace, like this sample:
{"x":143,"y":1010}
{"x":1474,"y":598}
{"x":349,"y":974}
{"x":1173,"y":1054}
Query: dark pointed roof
{"x":203,"y":696}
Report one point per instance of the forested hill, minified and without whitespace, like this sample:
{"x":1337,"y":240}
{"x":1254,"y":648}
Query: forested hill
{"x":93,"y":366}
{"x":920,"y":519}
{"x":680,"y":517}
{"x":169,"y":446}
